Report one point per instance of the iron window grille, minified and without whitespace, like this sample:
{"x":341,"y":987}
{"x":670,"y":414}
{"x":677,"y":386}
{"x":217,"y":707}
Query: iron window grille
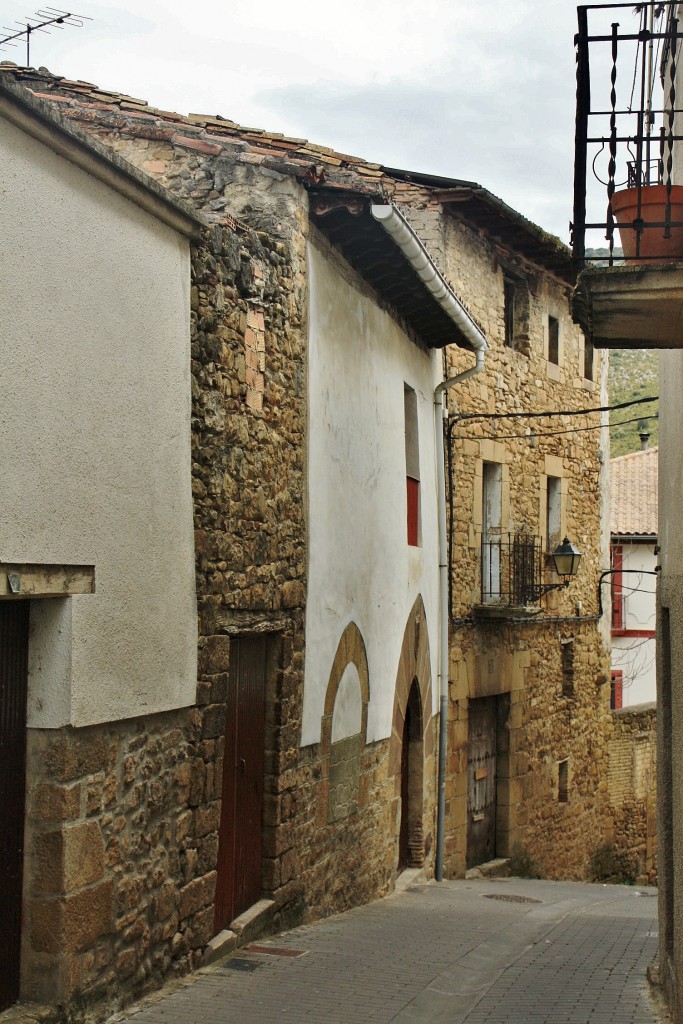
{"x":511,"y":569}
{"x":628,"y":119}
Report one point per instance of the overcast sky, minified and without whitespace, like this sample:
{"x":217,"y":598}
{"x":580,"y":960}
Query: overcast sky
{"x":483,"y":92}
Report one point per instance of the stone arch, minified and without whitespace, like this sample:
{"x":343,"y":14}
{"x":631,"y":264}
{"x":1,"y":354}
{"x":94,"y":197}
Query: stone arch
{"x":341,"y":753}
{"x":412,"y":743}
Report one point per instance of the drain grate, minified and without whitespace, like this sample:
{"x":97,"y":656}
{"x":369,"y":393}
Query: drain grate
{"x":507,"y":897}
{"x":275,"y":950}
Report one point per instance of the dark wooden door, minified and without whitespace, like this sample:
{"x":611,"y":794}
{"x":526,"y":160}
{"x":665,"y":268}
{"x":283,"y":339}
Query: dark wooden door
{"x":481,"y":780}
{"x":13,"y":677}
{"x":240,"y":838}
{"x":404,"y":830}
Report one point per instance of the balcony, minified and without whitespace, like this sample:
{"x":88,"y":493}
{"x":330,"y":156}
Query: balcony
{"x":512,"y":576}
{"x":627,"y":230}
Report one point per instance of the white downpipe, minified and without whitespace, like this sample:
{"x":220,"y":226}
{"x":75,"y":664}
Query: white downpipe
{"x":395,"y":224}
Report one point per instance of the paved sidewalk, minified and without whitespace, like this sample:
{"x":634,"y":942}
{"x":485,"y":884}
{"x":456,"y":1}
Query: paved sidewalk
{"x":500,"y":951}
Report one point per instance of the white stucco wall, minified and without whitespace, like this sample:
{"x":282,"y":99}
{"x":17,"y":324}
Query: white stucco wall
{"x":361,"y":567}
{"x":636,"y":655}
{"x":95,"y":437}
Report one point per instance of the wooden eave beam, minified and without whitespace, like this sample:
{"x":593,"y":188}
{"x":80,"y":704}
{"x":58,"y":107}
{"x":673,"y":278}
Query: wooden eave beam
{"x":34,"y":580}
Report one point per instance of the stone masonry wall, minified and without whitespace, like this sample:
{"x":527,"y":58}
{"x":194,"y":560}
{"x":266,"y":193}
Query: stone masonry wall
{"x":632,"y":787}
{"x":148,"y":884}
{"x":521,"y":661}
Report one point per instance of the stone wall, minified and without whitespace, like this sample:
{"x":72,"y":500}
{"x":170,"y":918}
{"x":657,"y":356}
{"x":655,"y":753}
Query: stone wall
{"x":144,"y":796}
{"x":249,"y":302}
{"x":632,"y":779}
{"x":551,"y":727}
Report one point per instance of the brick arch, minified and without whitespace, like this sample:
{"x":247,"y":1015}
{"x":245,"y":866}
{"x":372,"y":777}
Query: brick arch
{"x":414,"y":686}
{"x":350,"y":651}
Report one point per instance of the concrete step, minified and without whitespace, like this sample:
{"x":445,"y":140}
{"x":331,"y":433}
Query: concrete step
{"x":499,"y":867}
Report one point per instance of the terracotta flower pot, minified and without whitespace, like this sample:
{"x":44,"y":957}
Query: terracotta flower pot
{"x":653,"y":244}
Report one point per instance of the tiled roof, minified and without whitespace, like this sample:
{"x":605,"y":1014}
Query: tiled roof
{"x":211,"y":135}
{"x":633,"y":494}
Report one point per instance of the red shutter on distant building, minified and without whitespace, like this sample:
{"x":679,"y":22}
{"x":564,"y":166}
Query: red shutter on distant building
{"x":617,"y":591}
{"x":616,"y":700}
{"x":413,"y":492}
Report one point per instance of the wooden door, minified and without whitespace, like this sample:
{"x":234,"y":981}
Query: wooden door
{"x":481,"y":780}
{"x":404,"y":829}
{"x":13,"y":681}
{"x":240,"y":838}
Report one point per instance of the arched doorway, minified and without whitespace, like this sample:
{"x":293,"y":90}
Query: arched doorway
{"x":410,"y":836}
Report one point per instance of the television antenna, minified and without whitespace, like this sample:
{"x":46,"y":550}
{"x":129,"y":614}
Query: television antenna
{"x":42,"y":21}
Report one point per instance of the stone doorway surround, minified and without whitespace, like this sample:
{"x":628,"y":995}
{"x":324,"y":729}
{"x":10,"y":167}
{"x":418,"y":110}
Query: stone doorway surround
{"x":414,"y":677}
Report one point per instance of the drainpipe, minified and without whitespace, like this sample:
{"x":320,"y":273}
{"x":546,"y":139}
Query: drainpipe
{"x":478,"y":342}
{"x":395,"y":224}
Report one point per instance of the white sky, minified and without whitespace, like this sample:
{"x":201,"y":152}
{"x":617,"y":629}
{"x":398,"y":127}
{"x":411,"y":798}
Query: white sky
{"x":483,"y":92}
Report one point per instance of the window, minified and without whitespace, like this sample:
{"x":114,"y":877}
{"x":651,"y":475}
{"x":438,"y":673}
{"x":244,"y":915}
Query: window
{"x":553,"y":513}
{"x":412,"y":465}
{"x":492,"y":514}
{"x":616,"y":695}
{"x":563,"y":781}
{"x":509,"y":311}
{"x":553,"y":340}
{"x":588,"y":359}
{"x":568,"y":667}
{"x":516,"y":312}
{"x":617,"y":553}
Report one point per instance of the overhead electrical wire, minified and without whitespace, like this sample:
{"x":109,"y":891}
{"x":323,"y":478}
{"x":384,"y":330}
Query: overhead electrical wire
{"x":552,"y":433}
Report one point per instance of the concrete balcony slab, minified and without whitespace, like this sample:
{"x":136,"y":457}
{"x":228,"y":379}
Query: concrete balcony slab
{"x":631,"y":306}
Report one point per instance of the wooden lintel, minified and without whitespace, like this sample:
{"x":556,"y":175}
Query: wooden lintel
{"x":24,"y":579}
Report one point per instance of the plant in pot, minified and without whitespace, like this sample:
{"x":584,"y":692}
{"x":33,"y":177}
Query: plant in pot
{"x":641,"y":212}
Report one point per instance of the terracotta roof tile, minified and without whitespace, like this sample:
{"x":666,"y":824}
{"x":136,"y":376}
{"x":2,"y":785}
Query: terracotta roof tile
{"x":633,"y":493}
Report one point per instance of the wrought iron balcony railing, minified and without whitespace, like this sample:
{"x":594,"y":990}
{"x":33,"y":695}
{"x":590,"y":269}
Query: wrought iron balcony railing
{"x":628,"y":121}
{"x":511,"y":569}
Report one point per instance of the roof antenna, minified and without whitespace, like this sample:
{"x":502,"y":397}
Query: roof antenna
{"x":41,"y":21}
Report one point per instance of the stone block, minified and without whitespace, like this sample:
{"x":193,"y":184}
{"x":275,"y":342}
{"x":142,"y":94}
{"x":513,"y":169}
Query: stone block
{"x":207,"y":819}
{"x":53,"y":802}
{"x":69,"y":755}
{"x":213,"y":721}
{"x":68,"y":859}
{"x":197,"y":895}
{"x":214,"y":655}
{"x":87,"y":916}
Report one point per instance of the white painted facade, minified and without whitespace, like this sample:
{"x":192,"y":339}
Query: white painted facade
{"x":361,"y":567}
{"x":95,"y":437}
{"x":635,"y":655}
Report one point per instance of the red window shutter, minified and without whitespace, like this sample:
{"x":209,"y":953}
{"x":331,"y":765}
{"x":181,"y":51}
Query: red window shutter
{"x":617,"y":689}
{"x":617,"y":588}
{"x":413,"y":492}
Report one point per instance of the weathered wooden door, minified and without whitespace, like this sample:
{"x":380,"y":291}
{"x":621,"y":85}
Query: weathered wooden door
{"x":241,"y":837}
{"x":404,"y":829}
{"x":13,"y":676}
{"x":481,"y":780}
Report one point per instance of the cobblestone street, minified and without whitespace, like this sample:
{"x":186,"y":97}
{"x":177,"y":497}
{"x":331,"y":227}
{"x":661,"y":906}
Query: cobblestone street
{"x":504,"y":951}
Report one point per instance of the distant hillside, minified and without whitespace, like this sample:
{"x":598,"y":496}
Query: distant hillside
{"x":633,"y":374}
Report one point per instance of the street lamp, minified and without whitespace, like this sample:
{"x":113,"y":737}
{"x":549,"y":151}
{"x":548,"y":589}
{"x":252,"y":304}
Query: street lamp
{"x":566,"y":560}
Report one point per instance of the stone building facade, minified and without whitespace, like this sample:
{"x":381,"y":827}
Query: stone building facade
{"x":312,"y":392}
